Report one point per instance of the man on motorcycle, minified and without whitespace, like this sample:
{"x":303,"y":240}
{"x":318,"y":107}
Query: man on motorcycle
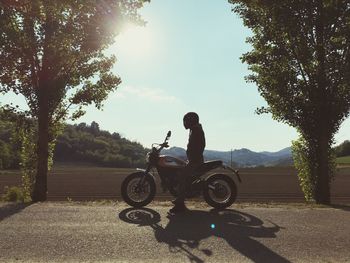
{"x":195,"y":149}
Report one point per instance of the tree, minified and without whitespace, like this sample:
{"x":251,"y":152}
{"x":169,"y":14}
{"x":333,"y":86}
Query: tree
{"x":343,"y":149}
{"x":95,"y":128}
{"x":301,"y":65}
{"x":52,"y":52}
{"x":14,"y":3}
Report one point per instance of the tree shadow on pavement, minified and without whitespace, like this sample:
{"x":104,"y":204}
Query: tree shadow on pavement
{"x":184,"y":232}
{"x":341,"y":207}
{"x":10,"y":209}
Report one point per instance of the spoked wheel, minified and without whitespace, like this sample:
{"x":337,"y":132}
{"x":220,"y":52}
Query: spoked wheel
{"x":220,"y":191}
{"x":136,"y":194}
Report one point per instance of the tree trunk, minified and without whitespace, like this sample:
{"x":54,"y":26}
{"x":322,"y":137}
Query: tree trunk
{"x":322,"y":165}
{"x":45,"y":80}
{"x":323,"y":170}
{"x":40,"y":185}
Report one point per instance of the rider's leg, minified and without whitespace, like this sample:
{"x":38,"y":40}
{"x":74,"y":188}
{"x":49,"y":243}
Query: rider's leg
{"x":185,"y":179}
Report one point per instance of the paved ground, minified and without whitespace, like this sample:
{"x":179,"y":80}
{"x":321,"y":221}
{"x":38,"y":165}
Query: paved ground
{"x":72,"y":232}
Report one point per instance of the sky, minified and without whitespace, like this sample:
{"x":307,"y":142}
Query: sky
{"x":187,"y":58}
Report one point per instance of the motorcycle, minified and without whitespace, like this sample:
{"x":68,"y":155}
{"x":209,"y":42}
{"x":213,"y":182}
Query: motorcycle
{"x":139,"y":188}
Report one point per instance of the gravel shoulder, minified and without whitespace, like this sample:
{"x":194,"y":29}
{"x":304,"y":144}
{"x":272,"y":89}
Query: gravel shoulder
{"x":114,"y":232}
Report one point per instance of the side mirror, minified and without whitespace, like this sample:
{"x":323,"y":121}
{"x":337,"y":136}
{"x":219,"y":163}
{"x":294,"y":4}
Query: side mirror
{"x":168,"y":135}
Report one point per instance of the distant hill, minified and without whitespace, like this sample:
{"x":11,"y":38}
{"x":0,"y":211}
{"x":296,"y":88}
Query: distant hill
{"x":89,"y":144}
{"x":284,"y":152}
{"x":79,"y":143}
{"x":343,"y":149}
{"x":242,"y":157}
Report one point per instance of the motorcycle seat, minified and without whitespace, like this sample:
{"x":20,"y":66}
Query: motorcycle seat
{"x":208,"y":165}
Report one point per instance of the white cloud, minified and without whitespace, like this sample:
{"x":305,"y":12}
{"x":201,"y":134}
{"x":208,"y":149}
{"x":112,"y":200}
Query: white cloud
{"x":149,"y":94}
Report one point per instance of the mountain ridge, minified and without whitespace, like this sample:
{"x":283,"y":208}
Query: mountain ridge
{"x":241,"y":157}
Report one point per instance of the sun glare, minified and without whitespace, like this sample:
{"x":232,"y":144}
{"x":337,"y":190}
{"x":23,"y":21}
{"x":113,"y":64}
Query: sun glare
{"x":134,"y":41}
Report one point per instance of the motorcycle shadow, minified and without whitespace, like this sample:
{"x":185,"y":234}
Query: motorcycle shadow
{"x":184,"y":232}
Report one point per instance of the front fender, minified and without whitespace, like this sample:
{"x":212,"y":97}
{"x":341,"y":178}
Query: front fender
{"x":144,"y":171}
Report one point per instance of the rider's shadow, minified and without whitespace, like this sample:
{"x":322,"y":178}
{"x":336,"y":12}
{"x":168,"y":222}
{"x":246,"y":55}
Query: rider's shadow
{"x":184,"y":232}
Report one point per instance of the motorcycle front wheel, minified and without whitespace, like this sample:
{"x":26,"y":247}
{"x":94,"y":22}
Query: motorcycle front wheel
{"x":220,"y":191}
{"x":136,"y":194}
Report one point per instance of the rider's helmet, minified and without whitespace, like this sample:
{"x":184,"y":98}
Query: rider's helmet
{"x":190,"y":119}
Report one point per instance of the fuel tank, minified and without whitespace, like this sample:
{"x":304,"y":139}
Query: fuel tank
{"x":166,"y":161}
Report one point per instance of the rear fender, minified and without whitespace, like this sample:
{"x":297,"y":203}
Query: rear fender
{"x":235,"y":172}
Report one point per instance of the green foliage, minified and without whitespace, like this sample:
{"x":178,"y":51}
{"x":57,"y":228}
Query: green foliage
{"x":21,"y":137}
{"x":9,"y":155}
{"x":51,"y":47}
{"x":5,"y":155}
{"x":288,"y":39}
{"x":75,"y":143}
{"x":84,"y":143}
{"x":28,"y":160}
{"x":343,"y":149}
{"x":13,"y":194}
{"x":301,"y":158}
{"x":343,"y":160}
{"x":301,"y":62}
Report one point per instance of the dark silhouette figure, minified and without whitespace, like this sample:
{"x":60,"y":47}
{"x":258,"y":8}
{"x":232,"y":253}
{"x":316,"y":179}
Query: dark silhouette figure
{"x":184,"y":232}
{"x":195,"y":149}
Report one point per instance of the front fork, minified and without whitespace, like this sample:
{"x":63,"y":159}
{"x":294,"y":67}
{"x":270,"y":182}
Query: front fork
{"x":143,"y":178}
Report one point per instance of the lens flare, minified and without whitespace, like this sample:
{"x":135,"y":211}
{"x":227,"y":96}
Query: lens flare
{"x":134,"y":41}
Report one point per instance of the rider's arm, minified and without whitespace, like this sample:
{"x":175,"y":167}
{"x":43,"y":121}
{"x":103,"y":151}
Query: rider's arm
{"x":196,"y":145}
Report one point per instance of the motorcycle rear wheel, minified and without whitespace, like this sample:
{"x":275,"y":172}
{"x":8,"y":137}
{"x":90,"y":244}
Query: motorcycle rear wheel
{"x":220,"y":191}
{"x":136,"y":195}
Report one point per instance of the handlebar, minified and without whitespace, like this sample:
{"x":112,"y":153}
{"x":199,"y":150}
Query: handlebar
{"x":165,"y":143}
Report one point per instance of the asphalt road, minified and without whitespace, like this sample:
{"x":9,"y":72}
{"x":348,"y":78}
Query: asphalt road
{"x":278,"y":184}
{"x":70,"y":232}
